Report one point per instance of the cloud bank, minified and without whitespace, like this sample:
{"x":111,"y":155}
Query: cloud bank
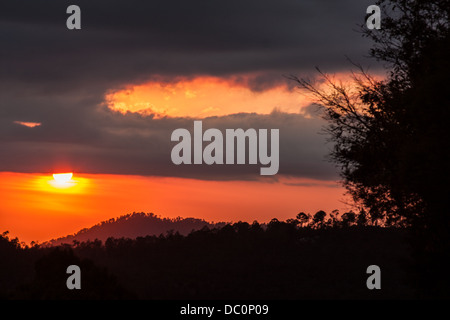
{"x":59,"y":78}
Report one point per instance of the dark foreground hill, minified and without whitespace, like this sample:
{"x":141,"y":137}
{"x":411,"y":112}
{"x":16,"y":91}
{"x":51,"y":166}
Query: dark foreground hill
{"x":133,"y":225}
{"x":237,"y":261}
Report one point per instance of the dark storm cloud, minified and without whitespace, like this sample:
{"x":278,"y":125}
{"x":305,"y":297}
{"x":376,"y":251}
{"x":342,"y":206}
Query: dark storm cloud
{"x":58,"y":77}
{"x":126,"y":41}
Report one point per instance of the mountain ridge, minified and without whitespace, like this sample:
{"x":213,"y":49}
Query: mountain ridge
{"x":133,"y":225}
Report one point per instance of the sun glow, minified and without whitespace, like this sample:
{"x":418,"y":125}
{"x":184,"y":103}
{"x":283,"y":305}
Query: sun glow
{"x":62,"y":180}
{"x":63,"y":177}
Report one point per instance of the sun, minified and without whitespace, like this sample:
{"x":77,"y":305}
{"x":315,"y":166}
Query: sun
{"x":63,"y":177}
{"x":62,"y":180}
{"x":63,"y":183}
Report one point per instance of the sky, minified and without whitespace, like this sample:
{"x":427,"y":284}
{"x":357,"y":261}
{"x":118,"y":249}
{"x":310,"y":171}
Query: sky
{"x":103,"y":101}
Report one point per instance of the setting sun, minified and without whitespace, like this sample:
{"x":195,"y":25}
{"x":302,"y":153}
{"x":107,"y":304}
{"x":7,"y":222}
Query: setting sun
{"x":62,"y":177}
{"x":62,"y":180}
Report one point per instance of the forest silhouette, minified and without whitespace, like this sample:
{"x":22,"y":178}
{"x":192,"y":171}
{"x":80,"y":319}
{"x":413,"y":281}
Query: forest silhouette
{"x":320,"y":256}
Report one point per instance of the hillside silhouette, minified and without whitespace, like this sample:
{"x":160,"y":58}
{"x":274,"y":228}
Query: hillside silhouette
{"x":307,"y":257}
{"x":133,"y":225}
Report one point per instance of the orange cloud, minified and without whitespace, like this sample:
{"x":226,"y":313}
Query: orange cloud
{"x":203,"y":97}
{"x":28,"y":124}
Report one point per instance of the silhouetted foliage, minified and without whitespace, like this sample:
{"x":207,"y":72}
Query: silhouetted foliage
{"x":318,"y":218}
{"x":326,"y":258}
{"x":391,"y":136}
{"x":303,"y":219}
{"x":348,"y":218}
{"x":50,"y":279}
{"x":14,"y":264}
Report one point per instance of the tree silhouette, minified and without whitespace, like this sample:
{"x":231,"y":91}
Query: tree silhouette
{"x":303,"y":218}
{"x":391,"y":136}
{"x":318,"y":218}
{"x":348,"y":218}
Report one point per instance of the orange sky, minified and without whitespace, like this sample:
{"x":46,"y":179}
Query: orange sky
{"x":33,"y":207}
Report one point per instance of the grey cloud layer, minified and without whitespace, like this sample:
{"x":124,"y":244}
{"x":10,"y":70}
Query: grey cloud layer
{"x":58,"y":77}
{"x":141,"y":145}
